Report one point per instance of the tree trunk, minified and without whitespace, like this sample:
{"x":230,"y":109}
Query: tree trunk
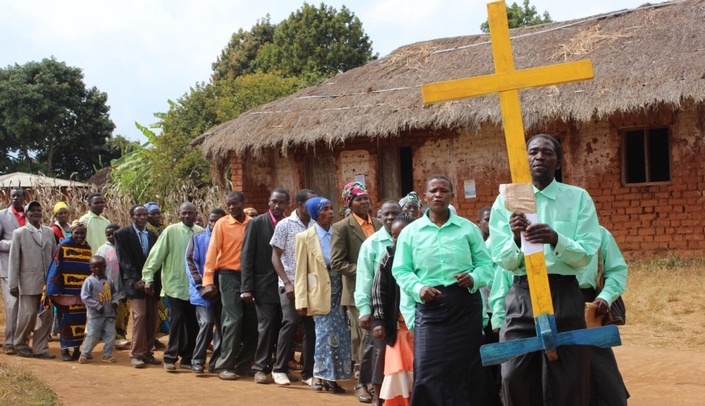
{"x":50,"y":155}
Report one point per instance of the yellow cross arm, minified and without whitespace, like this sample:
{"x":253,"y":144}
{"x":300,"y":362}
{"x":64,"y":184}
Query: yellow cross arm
{"x":503,"y":81}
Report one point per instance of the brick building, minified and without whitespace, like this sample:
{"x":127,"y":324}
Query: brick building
{"x":634,"y":137}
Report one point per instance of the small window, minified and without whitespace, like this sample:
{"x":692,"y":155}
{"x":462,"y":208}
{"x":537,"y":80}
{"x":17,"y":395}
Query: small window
{"x":646,"y":156}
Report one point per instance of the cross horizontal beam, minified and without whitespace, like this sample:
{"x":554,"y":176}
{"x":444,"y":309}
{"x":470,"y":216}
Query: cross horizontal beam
{"x":503,"y":81}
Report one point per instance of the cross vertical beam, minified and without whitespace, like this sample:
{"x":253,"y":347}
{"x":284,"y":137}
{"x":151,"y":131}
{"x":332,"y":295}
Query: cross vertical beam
{"x":506,"y":81}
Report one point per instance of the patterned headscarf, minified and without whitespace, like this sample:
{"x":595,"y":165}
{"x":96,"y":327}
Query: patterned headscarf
{"x":351,"y":190}
{"x":77,"y":223}
{"x":411,"y":197}
{"x":314,"y":206}
{"x":60,"y":205}
{"x":151,"y":207}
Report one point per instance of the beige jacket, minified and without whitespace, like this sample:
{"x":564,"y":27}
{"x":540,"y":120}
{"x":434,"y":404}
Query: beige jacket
{"x":29,"y":260}
{"x":312,"y":283}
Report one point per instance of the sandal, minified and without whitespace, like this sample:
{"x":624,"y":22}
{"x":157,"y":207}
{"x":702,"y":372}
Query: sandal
{"x":317,"y":385}
{"x":363,"y":395}
{"x":109,"y":359}
{"x":333,"y":386}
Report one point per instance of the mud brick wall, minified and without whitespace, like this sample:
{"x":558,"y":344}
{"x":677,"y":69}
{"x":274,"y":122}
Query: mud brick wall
{"x":650,"y":219}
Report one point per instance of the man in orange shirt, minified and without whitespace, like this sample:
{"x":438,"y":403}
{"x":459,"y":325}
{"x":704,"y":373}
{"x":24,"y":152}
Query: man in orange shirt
{"x":223,"y":262}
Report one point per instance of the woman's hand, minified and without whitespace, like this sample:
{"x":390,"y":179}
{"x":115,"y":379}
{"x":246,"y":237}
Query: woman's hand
{"x":379,"y":332}
{"x":302,"y":312}
{"x":428,"y":294}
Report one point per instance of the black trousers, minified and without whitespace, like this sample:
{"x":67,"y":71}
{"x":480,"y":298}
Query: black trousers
{"x":246,"y":355}
{"x":183,"y":329}
{"x":285,"y":343}
{"x":447,"y":339}
{"x":531,"y":379}
{"x":607,"y":387}
{"x":372,"y":362}
{"x":268,"y":321}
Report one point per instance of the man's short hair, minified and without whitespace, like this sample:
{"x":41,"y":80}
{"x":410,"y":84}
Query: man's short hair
{"x":112,"y":226}
{"x":133,"y":208}
{"x":556,"y":145}
{"x":93,"y":195}
{"x":218,"y":211}
{"x":282,"y":191}
{"x":237,"y":194}
{"x":302,"y":195}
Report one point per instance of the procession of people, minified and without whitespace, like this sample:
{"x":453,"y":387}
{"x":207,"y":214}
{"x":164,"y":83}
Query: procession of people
{"x":399,"y":299}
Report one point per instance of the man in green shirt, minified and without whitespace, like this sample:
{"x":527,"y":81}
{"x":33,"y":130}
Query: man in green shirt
{"x":169,"y":254}
{"x":568,"y":230}
{"x":95,"y":222}
{"x":606,"y":385}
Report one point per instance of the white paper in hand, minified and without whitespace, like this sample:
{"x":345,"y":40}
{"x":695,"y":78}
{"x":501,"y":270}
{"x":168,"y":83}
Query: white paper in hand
{"x":528,"y":247}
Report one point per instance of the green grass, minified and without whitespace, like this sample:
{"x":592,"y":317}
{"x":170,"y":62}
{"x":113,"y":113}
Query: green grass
{"x":20,"y":388}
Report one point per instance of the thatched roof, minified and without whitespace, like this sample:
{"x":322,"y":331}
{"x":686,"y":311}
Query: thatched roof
{"x":641,"y":57}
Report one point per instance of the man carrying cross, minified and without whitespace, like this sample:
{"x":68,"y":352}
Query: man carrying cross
{"x":568,"y":229}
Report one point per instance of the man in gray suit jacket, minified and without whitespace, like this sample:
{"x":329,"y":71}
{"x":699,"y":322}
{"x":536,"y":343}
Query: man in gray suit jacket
{"x":11,"y":219}
{"x":30,"y":255}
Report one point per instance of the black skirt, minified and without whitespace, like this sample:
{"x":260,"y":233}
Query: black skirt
{"x":447,"y":339}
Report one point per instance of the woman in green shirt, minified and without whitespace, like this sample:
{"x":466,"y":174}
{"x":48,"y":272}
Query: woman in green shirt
{"x":441,"y":261}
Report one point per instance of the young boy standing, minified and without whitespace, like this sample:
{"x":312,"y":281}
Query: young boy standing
{"x":101,"y":304}
{"x":112,"y":271}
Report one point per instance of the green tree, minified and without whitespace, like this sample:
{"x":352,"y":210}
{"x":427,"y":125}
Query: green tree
{"x":236,"y":96}
{"x":257,"y":66}
{"x":317,"y":42}
{"x":521,"y":16}
{"x":244,"y":46}
{"x":171,"y":162}
{"x":50,"y":121}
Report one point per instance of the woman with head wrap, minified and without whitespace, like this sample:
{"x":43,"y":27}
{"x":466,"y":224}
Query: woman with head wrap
{"x":61,"y":227}
{"x":154,"y":218}
{"x":67,"y":272}
{"x":411,"y":204}
{"x":318,"y":291}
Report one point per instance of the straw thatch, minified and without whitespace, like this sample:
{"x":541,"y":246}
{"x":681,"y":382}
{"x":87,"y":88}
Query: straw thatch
{"x":642,"y":58}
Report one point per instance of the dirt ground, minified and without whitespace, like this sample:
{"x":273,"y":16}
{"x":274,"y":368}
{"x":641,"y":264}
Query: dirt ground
{"x":654,"y":377}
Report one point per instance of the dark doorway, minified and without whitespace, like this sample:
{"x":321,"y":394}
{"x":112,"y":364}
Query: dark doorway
{"x":396,"y":172}
{"x":406,"y":170}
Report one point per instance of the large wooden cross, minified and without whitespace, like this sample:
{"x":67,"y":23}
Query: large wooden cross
{"x":507,"y":81}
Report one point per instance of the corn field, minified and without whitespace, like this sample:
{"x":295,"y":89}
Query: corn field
{"x":117,"y":201}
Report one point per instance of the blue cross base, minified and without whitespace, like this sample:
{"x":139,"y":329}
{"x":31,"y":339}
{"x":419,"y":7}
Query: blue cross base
{"x":547,"y":339}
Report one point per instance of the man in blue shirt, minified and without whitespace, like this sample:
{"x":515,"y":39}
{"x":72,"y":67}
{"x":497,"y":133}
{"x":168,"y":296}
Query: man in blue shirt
{"x":207,"y":310}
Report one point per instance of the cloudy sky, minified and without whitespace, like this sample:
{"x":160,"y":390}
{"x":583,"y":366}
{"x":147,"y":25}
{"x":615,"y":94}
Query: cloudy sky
{"x":145,"y":52}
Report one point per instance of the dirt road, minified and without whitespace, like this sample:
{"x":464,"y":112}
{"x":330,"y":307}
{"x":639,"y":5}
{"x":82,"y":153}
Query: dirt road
{"x":654,"y":376}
